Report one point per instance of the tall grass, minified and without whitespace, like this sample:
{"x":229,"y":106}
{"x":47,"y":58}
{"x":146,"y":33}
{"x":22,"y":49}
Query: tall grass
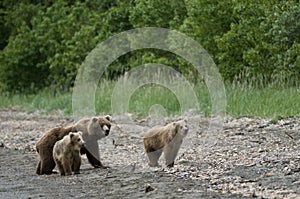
{"x":261,"y":96}
{"x":147,"y":96}
{"x":42,"y":101}
{"x":265,"y":101}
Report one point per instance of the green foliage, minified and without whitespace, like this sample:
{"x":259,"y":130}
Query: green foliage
{"x":206,"y":20}
{"x":49,"y":51}
{"x":285,"y":45}
{"x":16,"y":69}
{"x":65,"y":36}
{"x":157,"y":13}
{"x":263,"y":41}
{"x":43,"y":43}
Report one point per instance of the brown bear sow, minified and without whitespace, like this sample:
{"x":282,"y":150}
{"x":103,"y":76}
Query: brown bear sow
{"x":167,"y":139}
{"x":92,"y":130}
{"x":66,"y":153}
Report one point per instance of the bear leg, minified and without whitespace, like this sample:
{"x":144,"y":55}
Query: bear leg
{"x":38,"y":168}
{"x":170,"y":153}
{"x":60,"y":168}
{"x":153,"y":158}
{"x":67,"y":167}
{"x":76,"y":165}
{"x":95,"y":162}
{"x":47,"y":165}
{"x":170,"y":165}
{"x":92,"y":154}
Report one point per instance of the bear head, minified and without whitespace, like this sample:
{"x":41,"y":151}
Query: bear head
{"x":76,"y":140}
{"x":100,"y":126}
{"x":181,"y":128}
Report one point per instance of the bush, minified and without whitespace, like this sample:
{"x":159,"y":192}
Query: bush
{"x":46,"y":41}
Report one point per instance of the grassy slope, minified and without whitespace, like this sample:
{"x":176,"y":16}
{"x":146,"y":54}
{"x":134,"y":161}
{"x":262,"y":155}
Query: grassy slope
{"x":263,"y":102}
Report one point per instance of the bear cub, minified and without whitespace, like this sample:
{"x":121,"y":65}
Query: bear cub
{"x":166,"y":139}
{"x":66,"y":153}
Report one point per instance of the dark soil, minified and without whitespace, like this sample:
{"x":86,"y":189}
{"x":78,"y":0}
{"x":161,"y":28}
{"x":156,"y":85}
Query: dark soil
{"x":247,"y":158}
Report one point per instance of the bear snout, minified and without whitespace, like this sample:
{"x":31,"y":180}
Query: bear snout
{"x":186,"y":130}
{"x":106,"y":130}
{"x":83,"y":144}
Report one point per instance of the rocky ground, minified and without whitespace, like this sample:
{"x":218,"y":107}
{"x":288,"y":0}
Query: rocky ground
{"x":245,"y":158}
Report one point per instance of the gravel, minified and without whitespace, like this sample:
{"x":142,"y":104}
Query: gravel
{"x":247,"y":158}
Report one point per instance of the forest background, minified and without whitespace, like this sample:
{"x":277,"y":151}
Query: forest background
{"x":255,"y":45}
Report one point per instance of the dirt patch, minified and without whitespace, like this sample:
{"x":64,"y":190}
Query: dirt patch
{"x":248,"y":158}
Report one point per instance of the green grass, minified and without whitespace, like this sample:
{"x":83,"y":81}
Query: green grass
{"x":263,"y":102}
{"x":269,"y":101}
{"x":147,"y":96}
{"x":42,"y":101}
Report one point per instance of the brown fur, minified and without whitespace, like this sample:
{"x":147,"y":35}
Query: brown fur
{"x":45,"y":148}
{"x":93,"y":129}
{"x":66,"y":153}
{"x":167,"y":139}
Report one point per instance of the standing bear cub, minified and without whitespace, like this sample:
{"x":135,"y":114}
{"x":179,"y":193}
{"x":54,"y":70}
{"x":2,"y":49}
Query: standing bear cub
{"x":92,"y":130}
{"x":167,"y":139}
{"x":66,"y":153}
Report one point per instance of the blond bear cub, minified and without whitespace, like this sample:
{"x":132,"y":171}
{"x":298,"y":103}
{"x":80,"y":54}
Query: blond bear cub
{"x":167,"y":139}
{"x":66,"y":153}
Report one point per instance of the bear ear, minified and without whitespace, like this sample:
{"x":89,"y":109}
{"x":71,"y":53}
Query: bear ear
{"x":108,"y":117}
{"x":71,"y":135}
{"x":176,"y":125}
{"x":80,"y":133}
{"x":94,"y":119}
